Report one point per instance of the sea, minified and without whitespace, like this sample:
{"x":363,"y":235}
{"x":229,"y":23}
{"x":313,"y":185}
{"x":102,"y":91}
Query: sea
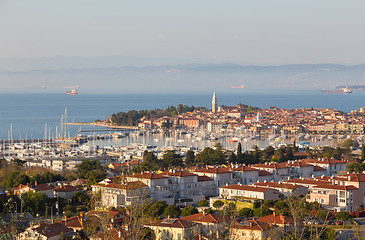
{"x":37,"y":116}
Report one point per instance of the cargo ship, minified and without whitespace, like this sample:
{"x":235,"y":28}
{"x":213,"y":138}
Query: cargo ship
{"x":242,"y":86}
{"x":344,"y":90}
{"x":72,"y":92}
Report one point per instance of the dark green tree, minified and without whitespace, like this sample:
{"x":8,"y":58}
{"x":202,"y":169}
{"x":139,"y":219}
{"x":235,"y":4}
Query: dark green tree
{"x":190,"y":158}
{"x":187,"y":211}
{"x":245,"y":212}
{"x":172,"y":211}
{"x":203,"y":203}
{"x":239,"y":152}
{"x":155,"y":209}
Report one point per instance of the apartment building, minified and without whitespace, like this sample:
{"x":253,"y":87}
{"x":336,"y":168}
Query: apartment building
{"x":332,"y":166}
{"x":249,"y":192}
{"x":287,"y":189}
{"x":117,"y":195}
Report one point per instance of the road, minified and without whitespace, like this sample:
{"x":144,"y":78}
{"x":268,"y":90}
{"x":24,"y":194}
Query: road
{"x":346,"y":234}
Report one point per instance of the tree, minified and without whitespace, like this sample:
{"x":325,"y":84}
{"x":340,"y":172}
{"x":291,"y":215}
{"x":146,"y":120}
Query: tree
{"x":155,"y":209}
{"x":343,"y":216}
{"x":363,"y":153}
{"x":171,"y":159}
{"x":190,"y":210}
{"x":190,"y":158}
{"x":239,"y":152}
{"x":218,"y":204}
{"x":203,"y":203}
{"x":245,"y":212}
{"x":91,"y":170}
{"x":172,"y":211}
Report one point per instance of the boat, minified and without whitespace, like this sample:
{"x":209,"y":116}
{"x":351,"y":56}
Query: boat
{"x":72,"y":92}
{"x":344,"y":90}
{"x":241,"y":86}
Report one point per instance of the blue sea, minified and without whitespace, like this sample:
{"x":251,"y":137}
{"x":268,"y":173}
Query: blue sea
{"x":30,"y":114}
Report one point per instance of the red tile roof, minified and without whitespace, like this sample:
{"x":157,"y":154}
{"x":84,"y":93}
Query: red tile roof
{"x":214,"y":170}
{"x":179,"y":174}
{"x":148,"y":175}
{"x":277,"y":185}
{"x":336,"y":187}
{"x":276,"y":219}
{"x":204,"y":178}
{"x":264,"y":173}
{"x":125,"y":186}
{"x":172,"y":223}
{"x":247,"y":188}
{"x":205,"y":218}
{"x":244,"y":169}
{"x":52,"y":230}
{"x":67,"y":188}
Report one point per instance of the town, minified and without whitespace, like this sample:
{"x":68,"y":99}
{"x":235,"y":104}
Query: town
{"x":294,"y":187}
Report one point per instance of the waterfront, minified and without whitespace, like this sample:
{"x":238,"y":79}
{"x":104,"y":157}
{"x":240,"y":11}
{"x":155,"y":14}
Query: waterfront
{"x":29,"y":113}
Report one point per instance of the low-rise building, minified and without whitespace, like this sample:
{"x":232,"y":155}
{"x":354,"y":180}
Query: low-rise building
{"x":173,"y":229}
{"x":248,"y":192}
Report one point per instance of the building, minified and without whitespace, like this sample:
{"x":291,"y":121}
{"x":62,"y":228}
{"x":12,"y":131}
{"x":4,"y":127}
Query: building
{"x":173,"y":229}
{"x":210,"y":224}
{"x":44,"y":188}
{"x":44,"y":231}
{"x":118,"y":195}
{"x":249,"y":193}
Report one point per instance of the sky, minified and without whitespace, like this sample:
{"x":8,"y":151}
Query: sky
{"x":262,"y":32}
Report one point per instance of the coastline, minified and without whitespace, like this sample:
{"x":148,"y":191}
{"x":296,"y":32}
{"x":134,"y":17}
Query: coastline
{"x":102,"y":125}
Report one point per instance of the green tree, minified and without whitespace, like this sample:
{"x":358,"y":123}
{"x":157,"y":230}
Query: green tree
{"x":190,"y":210}
{"x":239,"y":152}
{"x":172,"y":211}
{"x":218,"y":204}
{"x":245,"y":212}
{"x":343,"y":216}
{"x":190,"y":158}
{"x":170,"y":159}
{"x":203,"y":203}
{"x":262,"y":211}
{"x":34,"y":202}
{"x":91,"y":170}
{"x":155,"y":209}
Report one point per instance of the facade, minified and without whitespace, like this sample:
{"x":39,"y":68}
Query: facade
{"x":43,"y":231}
{"x":287,"y":189}
{"x":173,"y":229}
{"x":118,"y":195}
{"x":248,"y":192}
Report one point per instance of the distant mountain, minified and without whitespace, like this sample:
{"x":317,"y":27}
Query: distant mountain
{"x":193,"y":77}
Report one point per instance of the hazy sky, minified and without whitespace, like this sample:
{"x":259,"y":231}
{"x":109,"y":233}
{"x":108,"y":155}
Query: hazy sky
{"x":247,"y":32}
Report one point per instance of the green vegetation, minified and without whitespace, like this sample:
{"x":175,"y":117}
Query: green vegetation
{"x":133,"y":117}
{"x":203,"y":203}
{"x":187,"y":211}
{"x":91,"y":170}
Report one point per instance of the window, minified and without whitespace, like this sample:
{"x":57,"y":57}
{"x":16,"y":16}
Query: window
{"x":342,"y":194}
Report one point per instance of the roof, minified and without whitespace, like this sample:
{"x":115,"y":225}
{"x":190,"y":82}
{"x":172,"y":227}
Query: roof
{"x":213,"y":170}
{"x":73,"y":222}
{"x":273,"y":165}
{"x":252,"y":225}
{"x":179,"y":174}
{"x":42,"y":187}
{"x":125,"y":186}
{"x":277,"y":185}
{"x":354,"y":177}
{"x":325,"y":161}
{"x":51,"y":230}
{"x":318,"y":168}
{"x":173,"y":223}
{"x":148,"y":175}
{"x":336,"y":187}
{"x":247,"y":188}
{"x":264,"y":173}
{"x":206,"y":218}
{"x":204,"y":178}
{"x":276,"y":219}
{"x":66,"y":188}
{"x":243,"y":169}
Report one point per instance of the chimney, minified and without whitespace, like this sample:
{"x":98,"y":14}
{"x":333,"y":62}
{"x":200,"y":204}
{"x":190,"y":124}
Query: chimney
{"x":274,"y":214}
{"x":35,"y":183}
{"x":281,"y":217}
{"x":120,"y":234}
{"x":250,"y":224}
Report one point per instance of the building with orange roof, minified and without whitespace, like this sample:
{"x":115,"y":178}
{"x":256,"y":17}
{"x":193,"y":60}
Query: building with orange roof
{"x":248,"y":192}
{"x":287,"y":189}
{"x":174,"y":228}
{"x":284,"y":223}
{"x":333,"y":166}
{"x":209,"y":223}
{"x":117,"y":195}
{"x":252,"y":229}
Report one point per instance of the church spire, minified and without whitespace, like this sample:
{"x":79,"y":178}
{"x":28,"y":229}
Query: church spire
{"x":214,"y":103}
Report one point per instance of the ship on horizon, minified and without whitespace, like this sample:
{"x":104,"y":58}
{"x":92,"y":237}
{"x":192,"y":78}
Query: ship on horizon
{"x":343,"y":90}
{"x":73,"y":90}
{"x":241,"y":86}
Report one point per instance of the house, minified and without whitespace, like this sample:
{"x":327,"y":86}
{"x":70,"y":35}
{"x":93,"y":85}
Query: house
{"x":284,"y":223}
{"x":44,"y":231}
{"x":252,"y":229}
{"x":333,"y":166}
{"x":209,"y":223}
{"x":287,"y":189}
{"x":173,"y":228}
{"x":66,"y":191}
{"x":222,"y":176}
{"x":44,"y":188}
{"x":158,"y":185}
{"x":280,"y":171}
{"x":337,"y":197}
{"x":185,"y":187}
{"x":117,"y":195}
{"x":248,"y":192}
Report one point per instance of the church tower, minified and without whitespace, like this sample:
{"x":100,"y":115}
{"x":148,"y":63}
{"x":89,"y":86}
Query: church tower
{"x":214,"y":103}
